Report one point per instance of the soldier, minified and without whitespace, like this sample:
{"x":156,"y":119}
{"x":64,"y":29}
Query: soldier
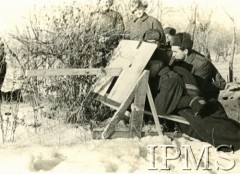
{"x":160,"y":57}
{"x":209,"y":125}
{"x":210,"y":81}
{"x":169,"y":33}
{"x":107,"y":23}
{"x":141,"y":22}
{"x":107,"y":27}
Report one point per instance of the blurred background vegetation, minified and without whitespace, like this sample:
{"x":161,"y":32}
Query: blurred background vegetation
{"x":60,"y":37}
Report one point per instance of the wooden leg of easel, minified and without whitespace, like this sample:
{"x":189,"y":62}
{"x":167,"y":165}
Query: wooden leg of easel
{"x":154,"y":111}
{"x":136,"y":119}
{"x":124,"y":106}
{"x":118,"y":114}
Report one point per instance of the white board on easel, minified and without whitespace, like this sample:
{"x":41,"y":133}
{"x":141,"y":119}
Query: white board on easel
{"x":132,"y":60}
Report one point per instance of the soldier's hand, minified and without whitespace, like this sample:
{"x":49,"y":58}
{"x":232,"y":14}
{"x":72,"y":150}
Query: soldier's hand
{"x":197,"y":105}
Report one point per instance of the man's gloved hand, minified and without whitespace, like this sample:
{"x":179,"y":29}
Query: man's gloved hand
{"x":197,"y":104}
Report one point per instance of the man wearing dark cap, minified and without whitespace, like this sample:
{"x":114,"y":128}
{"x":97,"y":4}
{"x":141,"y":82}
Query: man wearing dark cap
{"x":157,"y":61}
{"x":209,"y":80}
{"x":141,"y":22}
{"x":169,"y":33}
{"x":172,"y":97}
{"x":159,"y":56}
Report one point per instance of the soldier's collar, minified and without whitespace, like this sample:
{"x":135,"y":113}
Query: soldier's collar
{"x":190,"y":57}
{"x":143,"y":18}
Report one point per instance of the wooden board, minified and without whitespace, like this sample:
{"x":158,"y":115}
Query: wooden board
{"x":153,"y":109}
{"x":175,"y":118}
{"x":121,"y":110}
{"x":75,"y":71}
{"x":136,"y":119}
{"x":121,"y":132}
{"x":132,"y":61}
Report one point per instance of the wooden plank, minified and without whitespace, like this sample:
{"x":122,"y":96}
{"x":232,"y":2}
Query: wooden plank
{"x":118,"y":115}
{"x":132,"y":61}
{"x":136,"y":119}
{"x":74,"y":71}
{"x":154,"y":111}
{"x":124,"y":133}
{"x":175,"y":118}
{"x":121,"y":58}
{"x":120,"y":112}
{"x":119,"y":133}
{"x":130,"y":74}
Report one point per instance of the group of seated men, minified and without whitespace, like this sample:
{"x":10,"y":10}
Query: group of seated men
{"x":183,"y":82}
{"x":188,"y":85}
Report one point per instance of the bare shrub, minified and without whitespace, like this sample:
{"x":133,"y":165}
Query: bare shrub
{"x":62,"y":38}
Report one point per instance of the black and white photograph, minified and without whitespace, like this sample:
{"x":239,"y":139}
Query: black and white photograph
{"x":120,"y":86}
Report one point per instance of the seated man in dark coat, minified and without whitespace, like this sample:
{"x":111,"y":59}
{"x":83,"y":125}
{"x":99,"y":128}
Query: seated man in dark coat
{"x":208,"y":121}
{"x":172,"y":95}
{"x":209,"y":80}
{"x":154,"y":65}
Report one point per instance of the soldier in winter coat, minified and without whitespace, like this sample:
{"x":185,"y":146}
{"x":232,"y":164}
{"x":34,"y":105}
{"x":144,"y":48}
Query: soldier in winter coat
{"x":175,"y":92}
{"x":141,"y":22}
{"x":106,"y":23}
{"x":209,"y":80}
{"x":208,"y":120}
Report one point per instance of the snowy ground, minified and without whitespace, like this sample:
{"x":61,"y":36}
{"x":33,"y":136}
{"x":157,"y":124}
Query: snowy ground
{"x":57,"y":148}
{"x":119,"y":155}
{"x":49,"y":146}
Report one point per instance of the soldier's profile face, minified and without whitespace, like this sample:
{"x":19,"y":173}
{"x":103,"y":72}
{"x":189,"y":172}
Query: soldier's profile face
{"x":168,"y":37}
{"x":178,"y":54}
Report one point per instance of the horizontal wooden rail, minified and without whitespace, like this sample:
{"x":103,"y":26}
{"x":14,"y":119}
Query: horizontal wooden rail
{"x":171,"y":117}
{"x":175,"y":118}
{"x":76,"y":71}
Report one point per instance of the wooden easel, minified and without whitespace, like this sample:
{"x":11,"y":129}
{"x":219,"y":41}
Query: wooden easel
{"x":138,"y":94}
{"x":130,"y":89}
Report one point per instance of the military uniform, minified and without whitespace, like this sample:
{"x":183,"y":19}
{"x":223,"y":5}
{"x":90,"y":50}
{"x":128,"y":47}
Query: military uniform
{"x":136,"y":27}
{"x":107,"y":24}
{"x":211,"y":126}
{"x":209,"y":80}
{"x":170,"y":90}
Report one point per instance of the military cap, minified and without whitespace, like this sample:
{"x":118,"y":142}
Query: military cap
{"x":137,"y":4}
{"x":170,"y":30}
{"x":152,"y":34}
{"x":182,"y":40}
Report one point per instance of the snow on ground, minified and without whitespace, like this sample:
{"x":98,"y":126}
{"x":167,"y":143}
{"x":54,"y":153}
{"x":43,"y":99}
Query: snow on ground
{"x":49,"y":146}
{"x":56,"y":148}
{"x":99,"y":156}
